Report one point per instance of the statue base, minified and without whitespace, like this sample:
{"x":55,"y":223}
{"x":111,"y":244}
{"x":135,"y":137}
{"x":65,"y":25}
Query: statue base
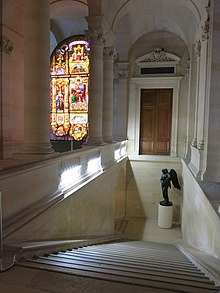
{"x":165,"y":215}
{"x":166,"y":203}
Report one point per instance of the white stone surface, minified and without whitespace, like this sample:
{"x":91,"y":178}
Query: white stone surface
{"x":200,"y":221}
{"x":165,"y":216}
{"x":144,"y":189}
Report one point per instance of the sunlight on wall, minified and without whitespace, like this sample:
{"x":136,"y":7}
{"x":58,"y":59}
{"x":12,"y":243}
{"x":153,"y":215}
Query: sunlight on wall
{"x":94,"y":165}
{"x":120,"y":153}
{"x":117,"y":154}
{"x":69,"y":176}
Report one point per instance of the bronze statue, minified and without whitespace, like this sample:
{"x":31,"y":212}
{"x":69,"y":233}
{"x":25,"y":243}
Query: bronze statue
{"x":166,"y":179}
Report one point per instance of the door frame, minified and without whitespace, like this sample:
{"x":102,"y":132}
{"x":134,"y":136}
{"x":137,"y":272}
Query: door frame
{"x":134,"y":110}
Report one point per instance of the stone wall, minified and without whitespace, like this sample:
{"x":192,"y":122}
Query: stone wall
{"x":71,"y":194}
{"x":144,"y":189}
{"x":200,"y":221}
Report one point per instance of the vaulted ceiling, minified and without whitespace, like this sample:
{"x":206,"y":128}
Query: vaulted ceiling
{"x":130,"y":20}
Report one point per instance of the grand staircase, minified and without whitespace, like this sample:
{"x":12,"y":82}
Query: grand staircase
{"x":157,"y":267}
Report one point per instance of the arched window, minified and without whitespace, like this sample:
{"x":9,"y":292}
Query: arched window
{"x":69,"y":90}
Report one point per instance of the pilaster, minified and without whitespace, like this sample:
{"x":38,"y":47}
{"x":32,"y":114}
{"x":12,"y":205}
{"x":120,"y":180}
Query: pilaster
{"x":203,"y":85}
{"x":109,"y":54}
{"x":121,"y":101}
{"x":96,"y":41}
{"x":197,"y":52}
{"x":211,"y":169}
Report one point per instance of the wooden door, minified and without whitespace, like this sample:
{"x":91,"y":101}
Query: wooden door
{"x":155,"y":124}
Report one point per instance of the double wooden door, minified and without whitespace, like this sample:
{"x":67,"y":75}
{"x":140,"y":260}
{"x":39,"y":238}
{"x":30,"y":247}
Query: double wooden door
{"x":155,"y":124}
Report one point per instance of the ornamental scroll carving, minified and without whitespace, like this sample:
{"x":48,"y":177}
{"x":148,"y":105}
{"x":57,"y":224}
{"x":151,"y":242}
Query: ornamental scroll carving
{"x":198,"y":49}
{"x":122,"y":73}
{"x":158,"y":58}
{"x":7,"y":46}
{"x":158,"y":55}
{"x":109,"y":53}
{"x":206,"y":27}
{"x":95,"y":37}
{"x":205,"y":31}
{"x":188,"y":68}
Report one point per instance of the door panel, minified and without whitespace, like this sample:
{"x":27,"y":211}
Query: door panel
{"x":155,"y":124}
{"x":148,"y":130}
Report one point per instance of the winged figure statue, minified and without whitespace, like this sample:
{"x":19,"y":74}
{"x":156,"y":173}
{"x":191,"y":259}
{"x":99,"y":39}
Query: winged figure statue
{"x":166,"y":178}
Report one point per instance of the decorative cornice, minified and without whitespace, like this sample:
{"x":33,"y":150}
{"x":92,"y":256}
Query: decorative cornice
{"x":109,"y":53}
{"x":6,"y":45}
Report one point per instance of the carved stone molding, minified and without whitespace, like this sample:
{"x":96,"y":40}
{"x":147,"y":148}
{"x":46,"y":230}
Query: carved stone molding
{"x":200,"y":145}
{"x":95,"y":37}
{"x":208,"y":11}
{"x":194,"y":142}
{"x":179,"y":69}
{"x":158,"y":55}
{"x":159,"y":58}
{"x":121,"y":71}
{"x":205,"y":31}
{"x":188,"y":68}
{"x":198,"y":49}
{"x":6,"y":45}
{"x":109,"y":53}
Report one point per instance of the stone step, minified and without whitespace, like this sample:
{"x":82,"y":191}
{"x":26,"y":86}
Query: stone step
{"x":129,"y":268}
{"x":150,"y":265}
{"x":133,"y":264}
{"x":187,"y":265}
{"x":124,"y":277}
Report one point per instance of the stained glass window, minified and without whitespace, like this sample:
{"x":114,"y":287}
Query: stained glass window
{"x":69,"y":90}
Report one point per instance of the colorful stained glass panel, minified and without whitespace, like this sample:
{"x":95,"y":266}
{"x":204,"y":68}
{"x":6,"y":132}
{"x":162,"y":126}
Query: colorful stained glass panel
{"x":69,"y":90}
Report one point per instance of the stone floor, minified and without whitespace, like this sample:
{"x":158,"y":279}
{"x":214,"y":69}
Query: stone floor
{"x":26,"y":280}
{"x":140,"y":229}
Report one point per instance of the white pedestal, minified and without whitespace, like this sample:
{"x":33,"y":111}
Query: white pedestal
{"x":165,"y":216}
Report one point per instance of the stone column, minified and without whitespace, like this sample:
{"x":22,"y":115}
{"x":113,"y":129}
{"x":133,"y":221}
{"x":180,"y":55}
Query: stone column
{"x":96,"y":42}
{"x":37,"y":77}
{"x":109,"y":55}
